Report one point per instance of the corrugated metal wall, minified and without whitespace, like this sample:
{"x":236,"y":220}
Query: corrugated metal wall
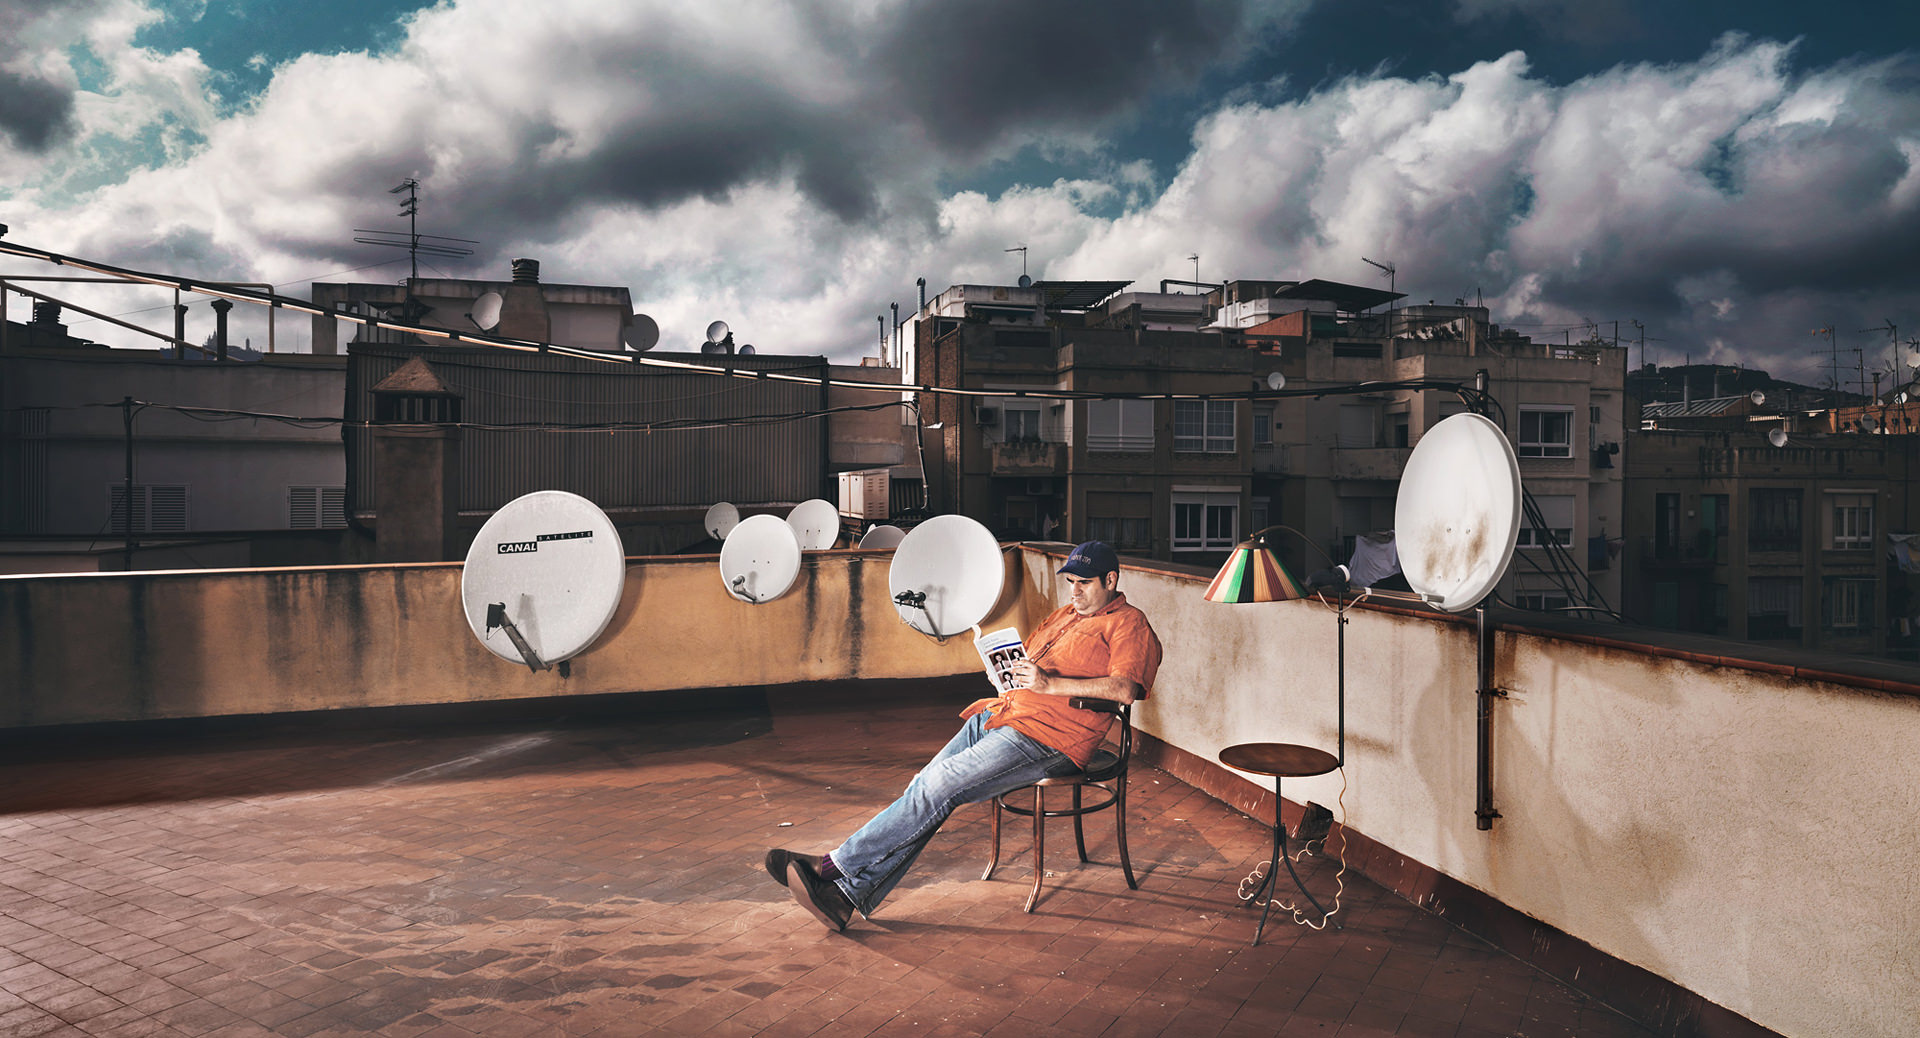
{"x":622,"y":469}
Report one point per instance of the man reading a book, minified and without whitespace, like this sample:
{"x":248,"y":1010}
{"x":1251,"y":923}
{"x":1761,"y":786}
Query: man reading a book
{"x":1094,"y":647}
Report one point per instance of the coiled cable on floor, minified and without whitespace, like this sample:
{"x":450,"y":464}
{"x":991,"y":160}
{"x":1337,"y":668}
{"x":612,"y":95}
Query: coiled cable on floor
{"x":1250,"y":887}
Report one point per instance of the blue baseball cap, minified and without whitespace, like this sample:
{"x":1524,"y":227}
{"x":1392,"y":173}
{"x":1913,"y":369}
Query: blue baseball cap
{"x":1092,"y":559}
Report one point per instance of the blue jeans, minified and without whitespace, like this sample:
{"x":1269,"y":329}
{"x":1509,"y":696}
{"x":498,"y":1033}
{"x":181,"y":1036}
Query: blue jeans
{"x":977,"y":765}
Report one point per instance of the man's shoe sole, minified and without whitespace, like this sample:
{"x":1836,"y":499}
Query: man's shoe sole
{"x":803,"y":894}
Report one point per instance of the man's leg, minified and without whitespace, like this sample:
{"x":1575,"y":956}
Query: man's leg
{"x":977,"y":764}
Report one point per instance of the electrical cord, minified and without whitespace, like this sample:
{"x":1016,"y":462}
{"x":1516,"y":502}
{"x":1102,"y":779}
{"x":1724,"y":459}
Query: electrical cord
{"x":1250,"y":886}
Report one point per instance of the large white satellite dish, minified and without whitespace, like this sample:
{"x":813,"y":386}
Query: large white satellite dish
{"x":882,"y":537}
{"x":760,"y":559}
{"x":486,"y":311}
{"x":543,"y":578}
{"x":947,"y":575}
{"x":722,"y":517}
{"x":641,"y":333}
{"x":1457,"y":515}
{"x":816,"y":524}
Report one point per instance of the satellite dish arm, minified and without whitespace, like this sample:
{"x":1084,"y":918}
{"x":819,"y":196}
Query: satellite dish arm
{"x":497,"y":617}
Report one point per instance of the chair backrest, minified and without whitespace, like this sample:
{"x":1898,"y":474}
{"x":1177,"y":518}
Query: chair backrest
{"x":1123,"y":711}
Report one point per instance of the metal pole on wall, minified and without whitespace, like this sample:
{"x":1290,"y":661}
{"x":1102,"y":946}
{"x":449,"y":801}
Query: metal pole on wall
{"x":126,"y":495}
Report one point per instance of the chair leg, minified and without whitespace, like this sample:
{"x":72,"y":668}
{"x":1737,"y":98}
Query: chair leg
{"x":1120,"y":829}
{"x":993,"y":857}
{"x":1039,"y":844}
{"x":1079,"y":831}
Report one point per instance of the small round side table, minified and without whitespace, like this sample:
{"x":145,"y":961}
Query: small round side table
{"x":1279,"y":760}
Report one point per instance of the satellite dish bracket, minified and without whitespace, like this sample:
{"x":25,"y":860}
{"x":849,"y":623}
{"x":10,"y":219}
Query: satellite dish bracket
{"x":497,"y":617}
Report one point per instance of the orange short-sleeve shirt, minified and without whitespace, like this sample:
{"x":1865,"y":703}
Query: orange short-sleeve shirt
{"x":1117,"y":642}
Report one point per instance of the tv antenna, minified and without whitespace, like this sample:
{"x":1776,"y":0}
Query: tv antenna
{"x":1022,"y":250}
{"x":413,"y":241}
{"x":1385,"y":268}
{"x":1893,"y":345}
{"x":1196,"y":267}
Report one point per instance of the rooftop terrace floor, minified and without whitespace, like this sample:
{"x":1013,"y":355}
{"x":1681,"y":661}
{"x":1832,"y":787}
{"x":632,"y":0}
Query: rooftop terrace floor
{"x":601,"y":875}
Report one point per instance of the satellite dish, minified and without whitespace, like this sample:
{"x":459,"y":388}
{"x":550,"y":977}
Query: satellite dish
{"x":1275,"y":380}
{"x":1868,"y":423}
{"x":641,"y":334}
{"x":721,"y":519}
{"x":1777,"y":437}
{"x":882,"y":537}
{"x":816,"y":524}
{"x":717,"y":331}
{"x":1457,"y":515}
{"x":1900,"y":397}
{"x":543,"y":578}
{"x":1025,"y":281}
{"x":947,"y":575}
{"x":486,"y":311}
{"x":760,"y":560}
{"x":748,"y":350}
{"x":1757,"y":397}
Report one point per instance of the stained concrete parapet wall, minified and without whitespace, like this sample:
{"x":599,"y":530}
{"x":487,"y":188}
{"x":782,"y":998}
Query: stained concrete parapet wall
{"x":87,"y":648}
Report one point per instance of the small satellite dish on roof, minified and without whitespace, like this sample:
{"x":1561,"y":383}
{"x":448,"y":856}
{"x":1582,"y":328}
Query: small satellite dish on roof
{"x":485,"y":314}
{"x":748,"y":350}
{"x":1276,"y":380}
{"x":543,"y":578}
{"x":1025,"y":281}
{"x":1777,"y":437}
{"x":1457,"y":515}
{"x":1869,"y":423}
{"x":717,"y":331}
{"x":1757,"y":397}
{"x":760,"y":559}
{"x":722,"y":517}
{"x":641,"y":334}
{"x":816,"y":524}
{"x":947,"y":575}
{"x":882,"y":537}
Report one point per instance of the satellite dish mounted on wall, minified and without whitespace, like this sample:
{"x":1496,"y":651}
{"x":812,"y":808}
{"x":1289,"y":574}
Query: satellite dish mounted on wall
{"x":722,"y":517}
{"x":641,"y":333}
{"x":816,"y":524}
{"x":1276,"y":380}
{"x":882,"y":538}
{"x":760,"y":559}
{"x":947,"y":575}
{"x":486,"y":311}
{"x":748,"y":350}
{"x":543,"y":578}
{"x":1777,"y":437}
{"x":1457,"y":515}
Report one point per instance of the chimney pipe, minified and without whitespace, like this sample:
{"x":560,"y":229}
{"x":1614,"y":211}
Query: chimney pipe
{"x":526,"y":272}
{"x":220,"y":308}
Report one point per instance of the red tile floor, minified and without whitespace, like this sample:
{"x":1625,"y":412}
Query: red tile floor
{"x":601,"y":875}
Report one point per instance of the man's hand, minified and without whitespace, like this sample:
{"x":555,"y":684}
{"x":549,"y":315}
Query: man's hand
{"x":1047,"y":683}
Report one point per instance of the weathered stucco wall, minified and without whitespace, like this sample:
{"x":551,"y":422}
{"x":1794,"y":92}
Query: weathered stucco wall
{"x":1746,"y":835}
{"x":79,"y":648}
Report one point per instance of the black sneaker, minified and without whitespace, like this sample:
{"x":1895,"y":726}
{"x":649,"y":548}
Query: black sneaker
{"x":776,"y":864}
{"x":820,"y":896}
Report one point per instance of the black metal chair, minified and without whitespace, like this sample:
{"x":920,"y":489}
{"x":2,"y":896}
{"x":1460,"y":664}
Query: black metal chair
{"x":1106,"y":772}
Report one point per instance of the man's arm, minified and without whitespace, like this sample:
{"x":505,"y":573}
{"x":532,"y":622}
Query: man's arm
{"x":1039,"y":679}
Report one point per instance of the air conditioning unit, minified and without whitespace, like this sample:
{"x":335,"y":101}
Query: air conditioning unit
{"x":986,"y":416}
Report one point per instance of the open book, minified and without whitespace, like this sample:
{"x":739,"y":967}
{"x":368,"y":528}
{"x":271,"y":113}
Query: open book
{"x":999,"y":651}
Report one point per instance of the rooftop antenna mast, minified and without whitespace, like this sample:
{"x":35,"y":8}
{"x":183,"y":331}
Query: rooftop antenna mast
{"x":1196,"y":267}
{"x":413,"y":241}
{"x":1388,"y":270}
{"x":1022,"y":250}
{"x":1893,"y":347}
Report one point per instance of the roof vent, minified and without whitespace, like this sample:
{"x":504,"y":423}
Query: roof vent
{"x":526,"y":272}
{"x":46,"y":314}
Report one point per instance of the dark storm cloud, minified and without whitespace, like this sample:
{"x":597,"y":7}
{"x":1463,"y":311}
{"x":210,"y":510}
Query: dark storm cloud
{"x":974,"y":73}
{"x":35,"y":113}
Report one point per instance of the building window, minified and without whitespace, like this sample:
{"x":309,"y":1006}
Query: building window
{"x":1206,"y":521}
{"x":157,"y":508}
{"x":1849,"y":604}
{"x":1020,"y":424}
{"x":1773,"y":607}
{"x":1850,"y":521}
{"x":316,"y":508}
{"x":1122,"y":426}
{"x":1546,"y":432}
{"x":1773,"y":519}
{"x":1124,"y":521}
{"x":1555,"y":525}
{"x":1263,"y":427}
{"x":1203,"y":426}
{"x":1400,"y":436}
{"x":1357,"y":427}
{"x":1543,"y":601}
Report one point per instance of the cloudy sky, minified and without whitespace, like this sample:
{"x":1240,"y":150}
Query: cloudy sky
{"x":1730,"y":176}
